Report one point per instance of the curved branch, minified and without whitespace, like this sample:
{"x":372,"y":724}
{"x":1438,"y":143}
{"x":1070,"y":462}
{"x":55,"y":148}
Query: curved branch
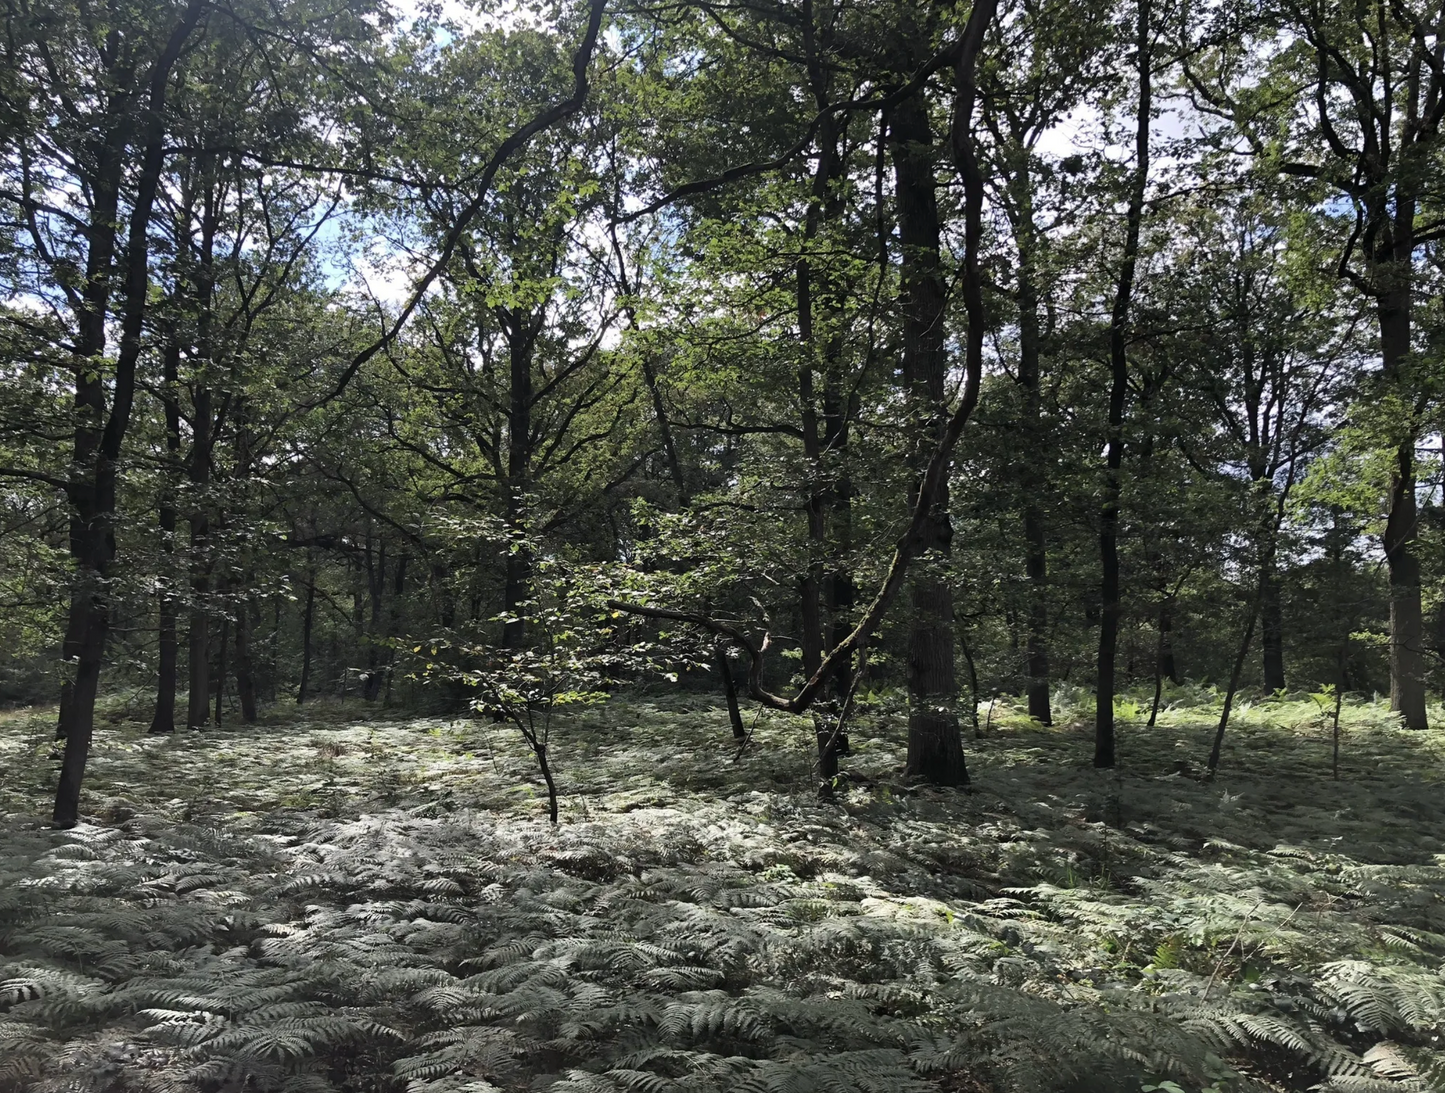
{"x":581,"y":61}
{"x":910,"y":544}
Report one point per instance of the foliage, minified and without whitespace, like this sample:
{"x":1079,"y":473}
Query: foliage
{"x":373,"y":904}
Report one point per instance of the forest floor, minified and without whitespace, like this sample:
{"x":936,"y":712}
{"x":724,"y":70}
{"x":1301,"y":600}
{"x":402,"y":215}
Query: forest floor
{"x":343,"y":898}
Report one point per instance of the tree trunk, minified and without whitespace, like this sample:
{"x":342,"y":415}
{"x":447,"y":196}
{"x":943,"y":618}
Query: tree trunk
{"x":1407,"y":629}
{"x":80,"y":711}
{"x":1033,"y":478}
{"x":393,"y":622}
{"x":375,"y":583}
{"x":730,"y":689}
{"x":199,"y":642}
{"x":221,"y":669}
{"x":164,"y":720}
{"x":1168,"y":666}
{"x":99,"y":437}
{"x":1395,"y":275}
{"x":307,"y":618}
{"x":1271,"y":612}
{"x":1037,"y":654}
{"x":935,"y":746}
{"x":245,"y":670}
{"x":522,"y":329}
{"x":1109,"y":591}
{"x":1216,"y":750}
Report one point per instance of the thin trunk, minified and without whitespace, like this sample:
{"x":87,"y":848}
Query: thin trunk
{"x":221,"y":669}
{"x":92,"y":491}
{"x":1033,"y":477}
{"x":245,"y":670}
{"x":1234,"y":677}
{"x":1267,"y":562}
{"x":649,"y":373}
{"x":1036,"y":654}
{"x":842,"y":592}
{"x":967,"y":651}
{"x":307,"y":619}
{"x":816,"y":490}
{"x":523,"y":328}
{"x":203,"y":441}
{"x":1342,"y":681}
{"x":730,"y":689}
{"x":1272,"y":632}
{"x":1109,"y":591}
{"x":273,"y":650}
{"x":375,"y":584}
{"x":393,"y":621}
{"x":1168,"y":665}
{"x":164,"y":720}
{"x":199,"y":651}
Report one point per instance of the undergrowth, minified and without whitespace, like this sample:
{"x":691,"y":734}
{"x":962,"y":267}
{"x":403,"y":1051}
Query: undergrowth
{"x":323,"y":902}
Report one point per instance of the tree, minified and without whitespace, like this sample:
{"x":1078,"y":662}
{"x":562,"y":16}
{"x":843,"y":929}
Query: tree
{"x":1363,"y":127}
{"x":1109,"y":589}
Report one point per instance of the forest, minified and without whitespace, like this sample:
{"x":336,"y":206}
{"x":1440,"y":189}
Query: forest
{"x":756,"y":546}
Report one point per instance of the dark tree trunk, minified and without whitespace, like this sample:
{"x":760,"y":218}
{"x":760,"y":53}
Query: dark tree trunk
{"x":221,"y":660}
{"x":273,"y":650}
{"x":203,"y":441}
{"x":1037,"y":655}
{"x":393,"y":621}
{"x":816,"y":355}
{"x":1033,"y":478}
{"x":307,"y":618}
{"x":1168,"y":665}
{"x":375,"y":583}
{"x":1109,"y":590}
{"x":1233,"y":689}
{"x":1407,"y":629}
{"x":522,"y":329}
{"x":730,"y":690}
{"x":164,"y":719}
{"x":81,"y":724}
{"x":199,"y":641}
{"x":245,"y":670}
{"x":1271,"y":612}
{"x":99,"y":437}
{"x":935,"y":746}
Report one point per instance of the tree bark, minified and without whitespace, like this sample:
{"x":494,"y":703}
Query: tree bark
{"x":393,"y":621}
{"x":1109,"y":590}
{"x":164,"y":719}
{"x":307,"y":650}
{"x":1033,"y":478}
{"x":523,"y":328}
{"x":245,"y":669}
{"x":1407,"y":628}
{"x":221,"y":668}
{"x":1271,"y":614}
{"x":375,"y":584}
{"x":1168,"y":665}
{"x":730,"y":690}
{"x":935,"y":745}
{"x":203,"y":442}
{"x":97,"y":450}
{"x":199,"y":641}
